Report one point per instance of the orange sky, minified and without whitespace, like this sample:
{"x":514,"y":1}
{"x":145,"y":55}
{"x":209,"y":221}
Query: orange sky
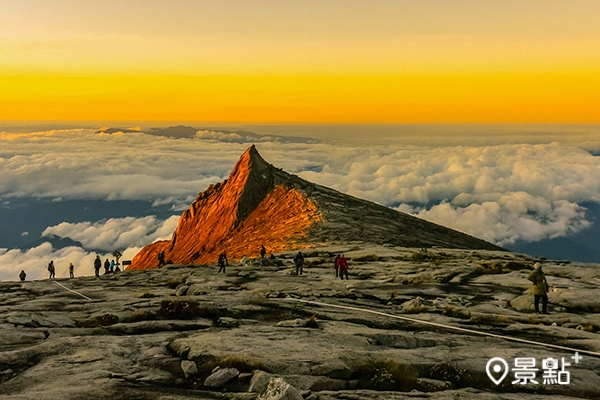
{"x":283,"y":61}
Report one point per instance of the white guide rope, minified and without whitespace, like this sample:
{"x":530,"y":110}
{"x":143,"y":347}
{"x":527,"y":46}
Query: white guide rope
{"x":456,"y":328}
{"x":85,"y":297}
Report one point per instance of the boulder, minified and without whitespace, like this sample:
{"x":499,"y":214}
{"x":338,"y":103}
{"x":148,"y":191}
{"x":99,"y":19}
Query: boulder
{"x":413,"y":306}
{"x":333,"y":369}
{"x":279,"y":389}
{"x":432,"y":385}
{"x":221,"y":377}
{"x":196,"y":290}
{"x":181,"y":290}
{"x":293,"y":323}
{"x":259,"y":382}
{"x":227,"y":322}
{"x":189,"y":368}
{"x":523,"y":303}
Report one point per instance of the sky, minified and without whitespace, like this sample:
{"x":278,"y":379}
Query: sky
{"x":263,"y":61}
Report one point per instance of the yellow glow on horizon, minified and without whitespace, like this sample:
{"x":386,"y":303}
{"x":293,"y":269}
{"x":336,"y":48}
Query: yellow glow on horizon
{"x":312,"y":61}
{"x":570,"y":97}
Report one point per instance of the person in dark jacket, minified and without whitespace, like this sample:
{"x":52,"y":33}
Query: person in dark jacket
{"x":263,"y":252}
{"x":22,"y":275}
{"x":161,"y":258}
{"x":335,"y":264}
{"x":222,"y":262}
{"x":540,"y":288}
{"x":97,"y":265}
{"x":106,"y":266}
{"x":51,"y":269}
{"x":343,"y":267}
{"x":299,"y":261}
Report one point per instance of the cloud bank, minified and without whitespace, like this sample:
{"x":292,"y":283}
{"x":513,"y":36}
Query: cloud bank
{"x":115,"y":233}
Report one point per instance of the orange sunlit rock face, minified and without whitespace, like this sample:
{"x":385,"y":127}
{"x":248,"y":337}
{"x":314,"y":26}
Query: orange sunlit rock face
{"x":237,"y":216}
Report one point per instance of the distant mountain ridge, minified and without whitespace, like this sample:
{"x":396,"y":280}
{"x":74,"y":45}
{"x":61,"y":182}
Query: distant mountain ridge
{"x":263,"y":205}
{"x":189,"y":132}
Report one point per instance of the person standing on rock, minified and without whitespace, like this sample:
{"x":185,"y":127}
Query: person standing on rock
{"x":161,"y":258}
{"x":263,"y":251}
{"x":22,"y":275}
{"x":51,"y":269}
{"x":540,"y":288}
{"x":223,"y":262}
{"x":112,"y":266}
{"x":106,"y":266}
{"x":336,"y":264}
{"x":343,"y":267}
{"x":71,"y":270}
{"x":97,"y":265}
{"x":299,"y":261}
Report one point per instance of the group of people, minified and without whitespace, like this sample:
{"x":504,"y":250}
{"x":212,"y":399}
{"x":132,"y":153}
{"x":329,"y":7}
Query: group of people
{"x":109,"y":266}
{"x":51,"y":270}
{"x":340,"y":264}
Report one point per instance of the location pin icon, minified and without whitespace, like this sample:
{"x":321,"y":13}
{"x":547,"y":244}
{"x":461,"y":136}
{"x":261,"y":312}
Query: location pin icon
{"x":494,"y":369}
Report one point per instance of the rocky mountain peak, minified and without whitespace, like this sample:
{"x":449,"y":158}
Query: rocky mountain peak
{"x":254,"y":176}
{"x":262,"y":205}
{"x":255,"y":206}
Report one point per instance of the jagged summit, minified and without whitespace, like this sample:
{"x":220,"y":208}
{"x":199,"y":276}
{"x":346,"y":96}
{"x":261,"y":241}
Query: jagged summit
{"x":262,"y":205}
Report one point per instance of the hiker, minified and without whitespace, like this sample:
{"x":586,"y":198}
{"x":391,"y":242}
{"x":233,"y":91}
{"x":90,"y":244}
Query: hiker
{"x":222,"y":262}
{"x":112,"y":266}
{"x":343,"y":267}
{"x":51,"y":269}
{"x":97,"y":265}
{"x":106,"y":266}
{"x":71,"y":270}
{"x":161,"y":258}
{"x":263,"y":252}
{"x":22,"y":275}
{"x":540,"y":288}
{"x":299,"y":261}
{"x":335,"y":264}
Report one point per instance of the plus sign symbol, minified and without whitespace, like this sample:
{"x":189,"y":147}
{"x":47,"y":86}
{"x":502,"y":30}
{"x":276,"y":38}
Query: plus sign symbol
{"x":576,"y":357}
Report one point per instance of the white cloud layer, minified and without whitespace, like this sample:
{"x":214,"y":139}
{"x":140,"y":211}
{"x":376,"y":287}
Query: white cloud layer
{"x":116,"y":233}
{"x":499,"y":192}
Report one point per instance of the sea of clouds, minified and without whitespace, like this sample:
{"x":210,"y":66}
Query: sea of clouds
{"x":501,"y":193}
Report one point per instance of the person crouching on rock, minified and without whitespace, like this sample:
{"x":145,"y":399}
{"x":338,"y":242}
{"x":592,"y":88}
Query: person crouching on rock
{"x":22,"y":275}
{"x":540,"y":288}
{"x":71,"y":270}
{"x":51,"y":269}
{"x":343,"y":267}
{"x":299,"y":261}
{"x":222,"y":262}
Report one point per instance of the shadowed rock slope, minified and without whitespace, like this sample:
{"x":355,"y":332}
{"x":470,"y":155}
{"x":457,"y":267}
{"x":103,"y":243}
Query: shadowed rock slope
{"x":263,"y":205}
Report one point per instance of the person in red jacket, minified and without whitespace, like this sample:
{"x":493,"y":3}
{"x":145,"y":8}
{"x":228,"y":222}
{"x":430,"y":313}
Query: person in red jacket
{"x":343,"y":267}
